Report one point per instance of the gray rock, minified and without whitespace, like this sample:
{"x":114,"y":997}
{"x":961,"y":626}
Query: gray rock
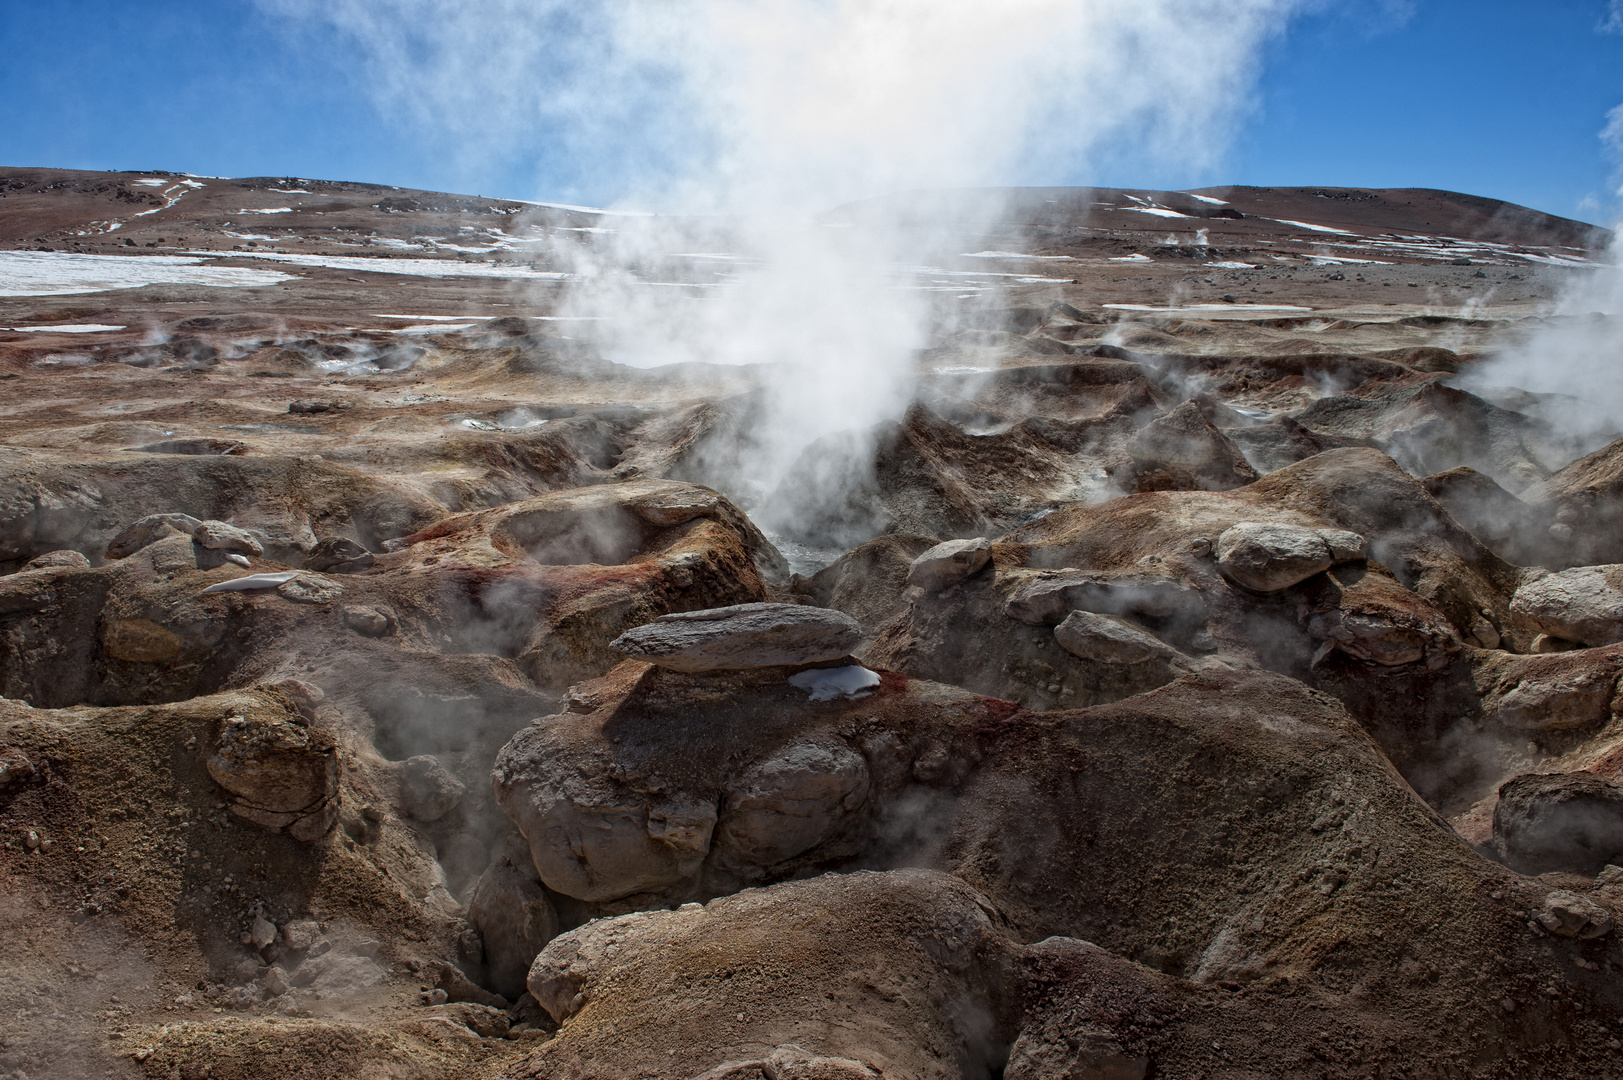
{"x":788,"y":804}
{"x":1567,"y":914}
{"x":1109,"y":640}
{"x":310,"y":589}
{"x":338,"y":555}
{"x":590,"y":837}
{"x":218,"y":536}
{"x":368,"y":621}
{"x":1559,"y":821}
{"x":458,"y":987}
{"x":482,"y":1020}
{"x":1583,"y":604}
{"x":261,"y":932}
{"x":949,"y":563}
{"x":742,"y":636}
{"x":1268,"y":556}
{"x":66,"y":559}
{"x":1345,"y":546}
{"x":428,"y":791}
{"x":148,"y":530}
{"x":515,"y":920}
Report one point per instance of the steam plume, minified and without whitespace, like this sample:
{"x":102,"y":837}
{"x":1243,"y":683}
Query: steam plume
{"x":763,"y":114}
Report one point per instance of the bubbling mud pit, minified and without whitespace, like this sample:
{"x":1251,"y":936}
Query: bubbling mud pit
{"x":1198,"y":676}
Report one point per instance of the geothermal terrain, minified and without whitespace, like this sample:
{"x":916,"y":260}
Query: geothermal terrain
{"x":1205,"y":673}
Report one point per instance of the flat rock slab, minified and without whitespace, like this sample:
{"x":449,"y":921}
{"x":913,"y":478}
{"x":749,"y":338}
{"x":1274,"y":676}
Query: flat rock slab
{"x":1108,"y":640}
{"x":1583,"y":604}
{"x":742,"y":636}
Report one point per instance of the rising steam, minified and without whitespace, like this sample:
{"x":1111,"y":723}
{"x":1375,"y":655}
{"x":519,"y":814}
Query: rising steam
{"x":747,"y":119}
{"x":1575,"y":353}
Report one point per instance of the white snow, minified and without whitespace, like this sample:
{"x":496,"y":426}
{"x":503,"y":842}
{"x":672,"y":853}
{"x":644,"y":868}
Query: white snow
{"x":1314,"y":228}
{"x":1206,"y":199}
{"x":64,"y":273}
{"x":1234,"y":265}
{"x":252,"y":581}
{"x":1009,"y":255}
{"x":1209,"y":307}
{"x":1136,"y":257}
{"x":428,"y":318}
{"x":1158,"y":211}
{"x":586,"y":209}
{"x":433,"y":328}
{"x":827,"y":684}
{"x":254,"y":236}
{"x":1342,"y":260}
{"x":273,"y":210}
{"x":290,"y":191}
{"x":154,"y":182}
{"x":63,"y":328}
{"x":408,"y":267}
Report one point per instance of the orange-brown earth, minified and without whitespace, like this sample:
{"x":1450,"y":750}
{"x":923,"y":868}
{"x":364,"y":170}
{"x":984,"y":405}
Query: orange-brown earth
{"x":1274,"y":729}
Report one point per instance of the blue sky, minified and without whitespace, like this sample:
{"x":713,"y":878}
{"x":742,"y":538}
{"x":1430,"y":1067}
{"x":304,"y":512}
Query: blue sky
{"x":1504,"y":98}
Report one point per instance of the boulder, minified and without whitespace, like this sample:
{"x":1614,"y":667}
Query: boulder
{"x":742,"y":636}
{"x":281,"y":773}
{"x":788,"y":804}
{"x":152,"y":528}
{"x":1559,"y":821}
{"x":948,"y":563}
{"x":1558,"y":692}
{"x":845,"y":945}
{"x":428,"y":791}
{"x":369,"y":620}
{"x":338,"y":555}
{"x":1584,"y":604}
{"x":1270,"y":556}
{"x":1567,"y":914}
{"x":1109,"y":640}
{"x":514,"y":919}
{"x":218,"y":536}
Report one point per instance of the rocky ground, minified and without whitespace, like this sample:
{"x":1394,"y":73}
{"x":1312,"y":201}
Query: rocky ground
{"x":1204,"y":675}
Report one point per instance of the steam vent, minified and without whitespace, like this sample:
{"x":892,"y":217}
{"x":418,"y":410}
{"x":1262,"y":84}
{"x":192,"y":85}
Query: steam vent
{"x":1063,"y":634}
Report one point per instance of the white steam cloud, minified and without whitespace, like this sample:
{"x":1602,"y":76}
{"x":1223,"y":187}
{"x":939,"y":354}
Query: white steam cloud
{"x":1577,"y":350}
{"x":759,"y":115}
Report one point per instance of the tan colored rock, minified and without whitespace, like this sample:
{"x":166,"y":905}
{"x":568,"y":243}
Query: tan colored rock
{"x":66,"y":559}
{"x":140,"y":641}
{"x":281,"y":775}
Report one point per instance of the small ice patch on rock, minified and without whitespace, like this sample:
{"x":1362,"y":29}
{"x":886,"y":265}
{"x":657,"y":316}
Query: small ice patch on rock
{"x":252,"y":581}
{"x":829,"y":684}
